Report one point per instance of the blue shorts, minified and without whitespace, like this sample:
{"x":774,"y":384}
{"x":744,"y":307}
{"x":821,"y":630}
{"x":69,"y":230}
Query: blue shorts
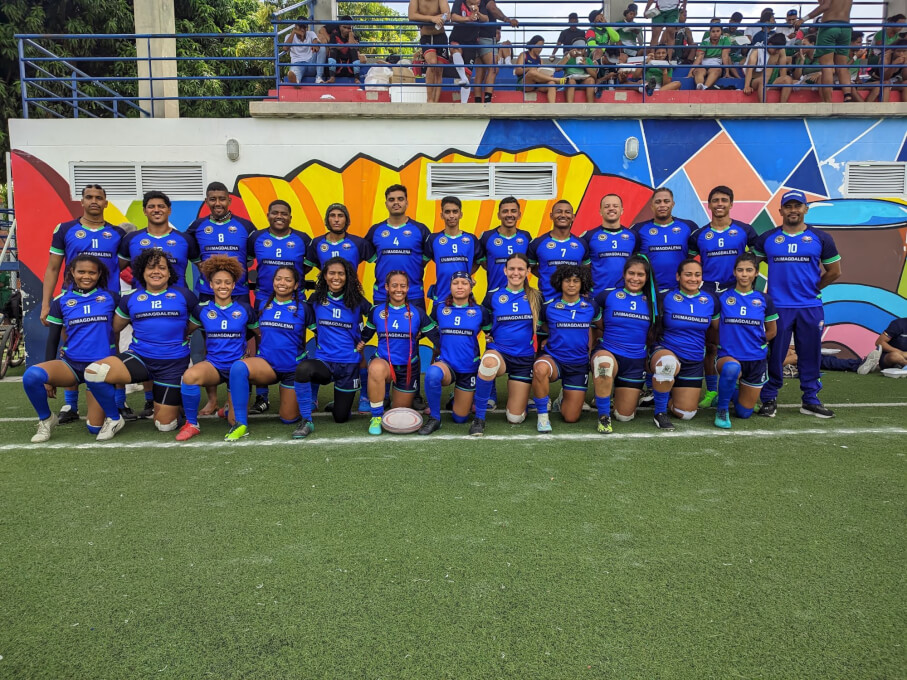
{"x":223,"y":373}
{"x":399,"y":376}
{"x":462,"y":380}
{"x":77,"y":367}
{"x":631,"y":373}
{"x":286,"y":379}
{"x":518,"y":368}
{"x":754,"y":373}
{"x":344,"y":376}
{"x":166,"y":374}
{"x":573,"y":376}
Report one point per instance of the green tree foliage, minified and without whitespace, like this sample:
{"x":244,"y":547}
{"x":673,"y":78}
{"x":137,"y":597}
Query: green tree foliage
{"x":398,"y":36}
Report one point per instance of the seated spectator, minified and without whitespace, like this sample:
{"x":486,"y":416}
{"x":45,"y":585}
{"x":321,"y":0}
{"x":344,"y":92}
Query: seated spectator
{"x":759,"y":33}
{"x":505,"y":49}
{"x":886,"y":36}
{"x":578,"y":70}
{"x":529,"y":73}
{"x":713,"y":56}
{"x":791,"y":32}
{"x":770,"y":64}
{"x":599,"y":37}
{"x":305,"y":60}
{"x":664,"y":12}
{"x":658,"y":75}
{"x":893,"y":72}
{"x":806,"y":63}
{"x":893,"y":343}
{"x":343,"y":60}
{"x":629,"y":34}
{"x":569,"y":35}
{"x":739,"y":39}
{"x":858,"y":56}
{"x":684,"y":51}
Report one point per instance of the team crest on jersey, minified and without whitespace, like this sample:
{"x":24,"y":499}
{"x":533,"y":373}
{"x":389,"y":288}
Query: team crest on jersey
{"x":324,"y":247}
{"x":383,"y":314}
{"x":465,"y":239}
{"x":268,"y":306}
{"x":385,"y":233}
{"x":678,"y":297}
{"x":142,"y":297}
{"x":703,"y":299}
{"x":471,"y":312}
{"x":106,"y":234}
{"x":620,"y":295}
{"x":551,"y":245}
{"x":71,"y":303}
{"x":212,"y":314}
{"x":407,"y":232}
{"x":292,"y":308}
{"x":291,"y":244}
{"x":709,"y":235}
{"x":676,"y":230}
{"x":236,"y":314}
{"x":602,"y":237}
{"x":573,"y":244}
{"x":170,"y":296}
{"x":779,"y":239}
{"x":408,"y":315}
{"x":209,"y":229}
{"x":733,"y":232}
{"x":171,"y":241}
{"x":732,"y":300}
{"x":447,"y":311}
{"x":347,"y":246}
{"x":232,"y":229}
{"x":267,"y":243}
{"x":81,"y":233}
{"x":625,"y":237}
{"x":442,"y":240}
{"x":499,"y":241}
{"x":653,"y":231}
{"x":145,"y":242}
{"x":559,"y":305}
{"x":502,"y":299}
{"x":100,"y":298}
{"x":757,"y":302}
{"x":807,"y":239}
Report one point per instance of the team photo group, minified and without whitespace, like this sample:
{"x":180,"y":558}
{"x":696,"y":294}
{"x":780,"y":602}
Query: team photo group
{"x":666,"y":313}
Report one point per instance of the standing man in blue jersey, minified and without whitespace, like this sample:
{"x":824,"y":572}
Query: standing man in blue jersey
{"x":609,"y":245}
{"x":801,"y":262}
{"x":664,"y":239}
{"x":718,"y":244}
{"x":452,"y":250}
{"x":559,"y":246}
{"x":337,"y":241}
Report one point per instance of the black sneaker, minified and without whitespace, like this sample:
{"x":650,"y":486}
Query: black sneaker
{"x":148,"y":411}
{"x":261,"y":404}
{"x":430,"y":425}
{"x":663,"y":421}
{"x":128,"y":414}
{"x":419,"y":403}
{"x":650,"y":87}
{"x":477,"y":429}
{"x":817,"y":410}
{"x":769,"y":408}
{"x":67,"y":415}
{"x":306,"y":427}
{"x":647,"y":398}
{"x":449,"y":405}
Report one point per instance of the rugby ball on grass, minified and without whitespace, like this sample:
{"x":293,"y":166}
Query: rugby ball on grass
{"x":401,"y":420}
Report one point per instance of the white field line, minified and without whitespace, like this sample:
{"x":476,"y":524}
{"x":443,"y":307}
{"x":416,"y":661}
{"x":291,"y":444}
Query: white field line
{"x":314,"y":440}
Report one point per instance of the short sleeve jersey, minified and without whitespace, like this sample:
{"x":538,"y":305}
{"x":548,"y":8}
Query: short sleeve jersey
{"x":465,"y":33}
{"x":180,"y":249}
{"x":686,"y":318}
{"x":87,"y":318}
{"x":452,"y":254}
{"x":353,"y":249}
{"x":159,"y":321}
{"x":548,"y":252}
{"x":512,"y":329}
{"x":459,"y":328}
{"x":794,"y":264}
{"x":272,"y":252}
{"x":718,"y":250}
{"x":497,"y":248}
{"x":626,"y":320}
{"x":666,"y":247}
{"x":403,"y":248}
{"x":283,"y":327}
{"x":72,"y":239}
{"x":714,"y":51}
{"x":609,"y":251}
{"x":225,"y":330}
{"x":230,"y":237}
{"x":338,"y":329}
{"x":742,"y":325}
{"x":569,"y":325}
{"x":398,"y":330}
{"x":897,"y":331}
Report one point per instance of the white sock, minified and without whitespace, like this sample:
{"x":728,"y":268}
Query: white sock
{"x":507,"y":60}
{"x":700,"y":86}
{"x":464,"y":95}
{"x":461,"y":70}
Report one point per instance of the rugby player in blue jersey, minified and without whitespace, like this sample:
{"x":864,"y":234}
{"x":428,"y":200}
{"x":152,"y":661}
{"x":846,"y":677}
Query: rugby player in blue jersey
{"x":452,"y":250}
{"x":609,"y":245}
{"x":664,"y":239}
{"x":337,"y":241}
{"x":559,"y":246}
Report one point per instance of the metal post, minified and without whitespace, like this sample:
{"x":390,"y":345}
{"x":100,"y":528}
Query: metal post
{"x":74,"y":86}
{"x":277,"y":59}
{"x":150,"y":75}
{"x":22,"y":84}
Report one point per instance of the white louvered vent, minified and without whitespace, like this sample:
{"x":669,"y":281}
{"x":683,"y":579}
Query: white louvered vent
{"x":180,"y":181}
{"x":464,"y":180}
{"x":864,"y":180}
{"x":482,"y":181}
{"x":525,"y":180}
{"x":118,"y":179}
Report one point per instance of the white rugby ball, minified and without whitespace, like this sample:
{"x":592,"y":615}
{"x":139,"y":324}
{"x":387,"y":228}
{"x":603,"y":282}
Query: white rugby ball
{"x":401,"y":420}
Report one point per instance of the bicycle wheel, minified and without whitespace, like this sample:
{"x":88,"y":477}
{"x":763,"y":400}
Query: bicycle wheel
{"x":6,"y":336}
{"x":18,"y":349}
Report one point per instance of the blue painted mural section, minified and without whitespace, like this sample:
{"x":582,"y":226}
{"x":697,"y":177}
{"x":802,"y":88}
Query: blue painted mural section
{"x":672,"y":144}
{"x":808,"y":176}
{"x":689,"y":206}
{"x":607,"y":150}
{"x":773,"y":150}
{"x":857,"y":212}
{"x":519,"y":135}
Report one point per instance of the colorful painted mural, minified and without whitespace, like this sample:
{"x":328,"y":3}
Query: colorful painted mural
{"x":758,"y":159}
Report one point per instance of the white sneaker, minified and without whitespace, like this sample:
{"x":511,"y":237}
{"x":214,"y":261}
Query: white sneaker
{"x":44,"y":428}
{"x":871,"y":362}
{"x":319,"y":80}
{"x":555,"y":406}
{"x":462,"y":82}
{"x":110,"y":428}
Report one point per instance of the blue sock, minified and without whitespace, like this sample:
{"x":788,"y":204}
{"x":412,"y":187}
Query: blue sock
{"x":661,"y":401}
{"x":191,"y":394}
{"x":387,"y":391}
{"x":711,"y":383}
{"x":93,"y":429}
{"x":119,"y":395}
{"x":743,"y":412}
{"x":33,"y":381}
{"x":71,"y":398}
{"x":304,"y":399}
{"x":649,"y":380}
{"x":603,"y":404}
{"x":459,"y":419}
{"x":377,"y":410}
{"x":105,"y":395}
{"x":494,"y":392}
{"x":239,"y":392}
{"x":262,"y":392}
{"x":313,"y":398}
{"x":363,"y":383}
{"x":483,"y":391}
{"x":149,"y":395}
{"x":727,"y":384}
{"x":541,"y":405}
{"x":434,"y":376}
{"x":290,"y":422}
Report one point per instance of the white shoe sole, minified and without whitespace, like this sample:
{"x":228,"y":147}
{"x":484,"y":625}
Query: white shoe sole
{"x":816,"y":415}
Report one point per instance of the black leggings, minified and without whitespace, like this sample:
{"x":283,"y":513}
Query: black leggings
{"x":312,"y":371}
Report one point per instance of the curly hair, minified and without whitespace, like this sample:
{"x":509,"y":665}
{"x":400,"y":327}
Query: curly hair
{"x":353,"y":294}
{"x":152,"y":256}
{"x":221,"y":263}
{"x":566,"y":271}
{"x":103,"y":274}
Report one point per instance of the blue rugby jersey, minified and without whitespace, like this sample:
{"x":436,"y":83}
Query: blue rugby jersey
{"x":402,"y":248}
{"x":512,"y":330}
{"x":548,"y":252}
{"x":742,"y":325}
{"x":71,"y":239}
{"x":181,"y":249}
{"x":794,"y":264}
{"x":283,"y":326}
{"x":718,"y":250}
{"x":229,"y":237}
{"x":225,"y":330}
{"x":452,"y":254}
{"x":87,"y":318}
{"x":684,"y":322}
{"x":459,"y":328}
{"x":497,"y":248}
{"x":351,"y":248}
{"x":626,"y":322}
{"x":609,"y":251}
{"x":159,"y":321}
{"x":398,"y":330}
{"x":338,"y":329}
{"x":569,"y":325}
{"x":273,"y":252}
{"x":665,"y":246}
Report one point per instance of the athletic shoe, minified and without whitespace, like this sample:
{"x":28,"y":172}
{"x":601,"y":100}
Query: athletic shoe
{"x":769,"y":408}
{"x":110,"y":428}
{"x":871,"y":362}
{"x":543,"y":427}
{"x":647,"y":397}
{"x":650,"y":87}
{"x":663,"y":421}
{"x":586,"y":406}
{"x":364,"y":407}
{"x":430,"y":425}
{"x":374,"y":425}
{"x":723,"y":420}
{"x":555,"y":406}
{"x":790,"y":371}
{"x":477,"y":429}
{"x":223,"y":413}
{"x":449,"y":405}
{"x":306,"y":427}
{"x":260,"y":405}
{"x":44,"y":429}
{"x":419,"y":403}
{"x":67,"y":415}
{"x":236,"y":433}
{"x":319,"y":80}
{"x":461,"y":82}
{"x":187,"y":432}
{"x":127,"y":413}
{"x":708,"y":400}
{"x":817,"y":410}
{"x":604,"y":425}
{"x":492,"y":405}
{"x":328,"y":408}
{"x":148,"y":410}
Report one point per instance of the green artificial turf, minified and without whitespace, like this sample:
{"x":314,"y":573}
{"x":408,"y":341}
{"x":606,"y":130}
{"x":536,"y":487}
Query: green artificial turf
{"x":643,"y":556}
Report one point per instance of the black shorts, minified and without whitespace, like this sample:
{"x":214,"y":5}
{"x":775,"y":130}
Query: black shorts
{"x":573,"y":377}
{"x":754,"y":373}
{"x":223,"y":373}
{"x":518,"y":368}
{"x":165,"y":374}
{"x":690,"y":374}
{"x":631,"y":373}
{"x":462,"y":380}
{"x":398,"y":374}
{"x":77,"y":367}
{"x":435,"y":43}
{"x":344,"y":376}
{"x":286,"y":379}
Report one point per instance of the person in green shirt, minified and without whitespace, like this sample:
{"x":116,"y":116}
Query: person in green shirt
{"x":658,"y":76}
{"x":578,"y":70}
{"x":713,"y":56}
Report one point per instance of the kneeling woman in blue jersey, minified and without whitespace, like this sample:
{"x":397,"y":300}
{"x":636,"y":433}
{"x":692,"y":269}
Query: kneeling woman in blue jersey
{"x":85,"y":311}
{"x":747,"y":324}
{"x":399,"y":326}
{"x":686,"y":316}
{"x":515,"y":311}
{"x":619,"y":358}
{"x":160,"y":314}
{"x":227,"y":325}
{"x":338,"y":307}
{"x":460,"y":319}
{"x":566,"y":322}
{"x":282,"y":321}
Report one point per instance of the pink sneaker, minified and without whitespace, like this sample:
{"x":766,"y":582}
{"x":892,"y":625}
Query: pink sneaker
{"x":187,"y":432}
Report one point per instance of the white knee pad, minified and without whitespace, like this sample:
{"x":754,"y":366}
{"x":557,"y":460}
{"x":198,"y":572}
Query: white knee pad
{"x":515,"y":419}
{"x":165,"y":427}
{"x":666,"y":368}
{"x":489,"y":372}
{"x":685,"y":415}
{"x":548,"y":364}
{"x":624,"y":419}
{"x":602,"y":367}
{"x":96,"y":372}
